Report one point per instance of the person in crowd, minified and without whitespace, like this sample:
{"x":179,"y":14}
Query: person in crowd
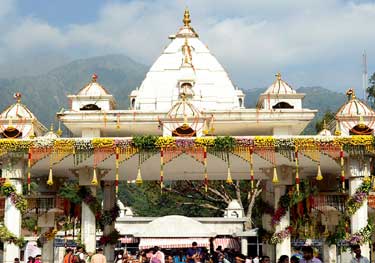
{"x":38,"y":259}
{"x":283,"y":259}
{"x":239,"y":258}
{"x":308,"y":255}
{"x":16,"y":260}
{"x":98,"y":257}
{"x":119,"y":257}
{"x":69,"y":257}
{"x":294,"y":259}
{"x":180,"y":257}
{"x":249,"y":259}
{"x":193,"y":254}
{"x":297,"y":253}
{"x":30,"y":260}
{"x":80,"y":254}
{"x":169,"y":259}
{"x":265,"y":259}
{"x":256,"y":259}
{"x":358,"y":258}
{"x":157,"y":256}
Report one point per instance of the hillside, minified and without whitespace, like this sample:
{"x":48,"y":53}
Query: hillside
{"x":46,"y":94}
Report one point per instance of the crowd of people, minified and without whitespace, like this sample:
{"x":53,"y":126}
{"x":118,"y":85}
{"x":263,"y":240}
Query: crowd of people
{"x":194,"y":254}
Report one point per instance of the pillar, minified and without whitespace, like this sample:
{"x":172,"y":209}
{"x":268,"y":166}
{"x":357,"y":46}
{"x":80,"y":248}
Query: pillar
{"x":360,"y":218}
{"x":244,"y":246}
{"x":88,"y":222}
{"x":12,"y":216}
{"x":283,"y":248}
{"x":47,"y":249}
{"x":109,"y":202}
{"x":329,"y":253}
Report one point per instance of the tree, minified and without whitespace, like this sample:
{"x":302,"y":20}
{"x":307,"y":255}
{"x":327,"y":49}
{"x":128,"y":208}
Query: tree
{"x":371,"y":90}
{"x":189,"y":198}
{"x":327,"y":118}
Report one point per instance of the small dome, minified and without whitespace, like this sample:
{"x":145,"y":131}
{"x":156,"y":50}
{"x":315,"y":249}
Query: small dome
{"x":17,"y":111}
{"x":171,"y":226}
{"x":280,"y":87}
{"x":354,"y":107}
{"x":325,"y":132}
{"x":234,"y":205}
{"x":186,"y":30}
{"x":93,"y":88}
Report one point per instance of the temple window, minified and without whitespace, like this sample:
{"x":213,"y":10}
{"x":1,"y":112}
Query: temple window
{"x":90,"y":107}
{"x":282,"y":105}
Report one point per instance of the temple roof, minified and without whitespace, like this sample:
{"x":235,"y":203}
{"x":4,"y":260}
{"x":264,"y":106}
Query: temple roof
{"x":280,"y":87}
{"x":186,"y":57}
{"x":17,"y":110}
{"x":354,"y":107}
{"x":93,"y":88}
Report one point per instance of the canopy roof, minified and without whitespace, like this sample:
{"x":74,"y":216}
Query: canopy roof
{"x":175,"y":226}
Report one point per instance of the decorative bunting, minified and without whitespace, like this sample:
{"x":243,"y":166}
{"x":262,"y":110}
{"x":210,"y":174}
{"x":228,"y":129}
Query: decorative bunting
{"x":94,"y":180}
{"x":251,"y":168}
{"x":161,"y":168}
{"x":50,"y":177}
{"x":205,"y":168}
{"x":297,"y":171}
{"x":275,"y":179}
{"x":29,"y":172}
{"x":139,"y":180}
{"x":319,"y":175}
{"x":342,"y":178}
{"x":117,"y":168}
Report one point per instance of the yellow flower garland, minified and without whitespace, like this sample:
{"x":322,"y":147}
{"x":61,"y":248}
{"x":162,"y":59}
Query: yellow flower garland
{"x":163,"y":142}
{"x":103,"y":142}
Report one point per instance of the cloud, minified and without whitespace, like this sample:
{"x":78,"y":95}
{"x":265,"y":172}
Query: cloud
{"x":312,"y":42}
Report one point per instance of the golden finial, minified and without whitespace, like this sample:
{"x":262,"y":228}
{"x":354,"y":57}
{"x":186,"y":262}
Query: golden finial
{"x":278,"y":76}
{"x":351,"y":94}
{"x":361,"y":123}
{"x":94,"y":77}
{"x":186,"y":19}
{"x":17,"y":96}
{"x":337,"y":131}
{"x":324,"y":125}
{"x":51,"y":128}
{"x":59,"y":132}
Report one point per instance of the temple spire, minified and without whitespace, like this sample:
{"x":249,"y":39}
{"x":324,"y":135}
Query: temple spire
{"x":186,"y":19}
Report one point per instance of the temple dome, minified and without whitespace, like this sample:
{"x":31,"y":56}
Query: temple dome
{"x":17,"y":111}
{"x":354,"y":107}
{"x":280,"y":87}
{"x":93,"y":88}
{"x":213,"y":88}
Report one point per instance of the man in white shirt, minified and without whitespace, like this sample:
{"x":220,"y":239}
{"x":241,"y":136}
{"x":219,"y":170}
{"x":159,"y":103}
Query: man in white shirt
{"x":358,"y":257}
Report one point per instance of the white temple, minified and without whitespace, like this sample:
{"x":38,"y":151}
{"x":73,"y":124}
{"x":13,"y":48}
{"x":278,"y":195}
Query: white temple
{"x":186,"y":94}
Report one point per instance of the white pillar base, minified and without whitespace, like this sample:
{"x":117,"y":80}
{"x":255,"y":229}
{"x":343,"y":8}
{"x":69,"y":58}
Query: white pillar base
{"x":244,"y":246}
{"x":88,"y":226}
{"x":47,"y":252}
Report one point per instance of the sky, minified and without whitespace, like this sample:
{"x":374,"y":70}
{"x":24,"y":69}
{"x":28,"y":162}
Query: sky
{"x":312,"y":43}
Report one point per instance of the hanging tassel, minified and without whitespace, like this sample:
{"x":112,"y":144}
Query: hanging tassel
{"x":205,"y":169}
{"x":251,"y":170}
{"x":117,"y":168}
{"x":29,"y":173}
{"x":275,"y":179}
{"x":319,"y":176}
{"x":161,"y":169}
{"x":94,"y":180}
{"x":342,"y":178}
{"x":139,"y":180}
{"x":229,"y":176}
{"x":50,"y":177}
{"x":366,"y":176}
{"x":297,"y":172}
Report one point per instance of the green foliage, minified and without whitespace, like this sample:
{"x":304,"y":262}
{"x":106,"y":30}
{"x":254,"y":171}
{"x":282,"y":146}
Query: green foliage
{"x":371,"y":90}
{"x":7,"y":236}
{"x":327,"y":117}
{"x":69,"y":190}
{"x":145,"y":142}
{"x":225,"y":143}
{"x":29,"y":223}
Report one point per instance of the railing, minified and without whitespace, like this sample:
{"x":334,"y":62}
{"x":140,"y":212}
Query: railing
{"x":326,"y":202}
{"x":41,"y":204}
